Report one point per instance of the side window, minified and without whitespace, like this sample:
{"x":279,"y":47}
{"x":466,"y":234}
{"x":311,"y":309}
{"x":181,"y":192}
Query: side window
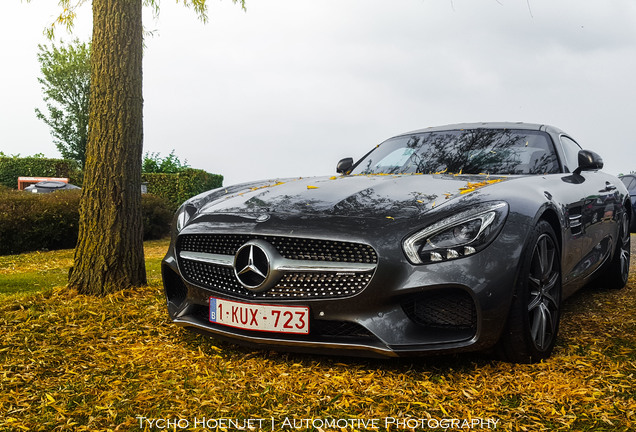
{"x":571,"y":150}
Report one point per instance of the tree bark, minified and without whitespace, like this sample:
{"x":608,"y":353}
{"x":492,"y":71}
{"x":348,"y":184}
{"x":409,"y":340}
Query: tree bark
{"x":109,"y":253}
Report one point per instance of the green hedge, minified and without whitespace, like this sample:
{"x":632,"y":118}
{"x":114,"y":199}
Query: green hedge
{"x":38,"y":221}
{"x":13,"y":167}
{"x":176,"y":188}
{"x":50,"y":221}
{"x":157,"y":216}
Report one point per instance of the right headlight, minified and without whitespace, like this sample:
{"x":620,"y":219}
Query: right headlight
{"x":456,"y":236}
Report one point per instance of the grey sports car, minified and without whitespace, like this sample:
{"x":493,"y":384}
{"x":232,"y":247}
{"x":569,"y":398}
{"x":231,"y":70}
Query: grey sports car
{"x":447,"y":239}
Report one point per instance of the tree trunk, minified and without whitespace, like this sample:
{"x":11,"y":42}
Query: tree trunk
{"x":109,"y":253}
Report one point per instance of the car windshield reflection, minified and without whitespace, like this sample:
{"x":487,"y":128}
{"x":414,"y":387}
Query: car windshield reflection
{"x":476,"y":151}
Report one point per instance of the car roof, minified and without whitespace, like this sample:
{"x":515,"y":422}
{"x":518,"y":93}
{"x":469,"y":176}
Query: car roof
{"x":48,"y":184}
{"x":490,"y":125}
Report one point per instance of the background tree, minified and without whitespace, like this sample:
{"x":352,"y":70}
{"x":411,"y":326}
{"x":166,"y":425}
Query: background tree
{"x":65,"y":83}
{"x":171,"y":164}
{"x":109,"y":252}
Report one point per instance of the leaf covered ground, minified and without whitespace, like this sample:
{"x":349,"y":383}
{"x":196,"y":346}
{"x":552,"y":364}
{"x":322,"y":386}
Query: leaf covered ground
{"x":79,"y":363}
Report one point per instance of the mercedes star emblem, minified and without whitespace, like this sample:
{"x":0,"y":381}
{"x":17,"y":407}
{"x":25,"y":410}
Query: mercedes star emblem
{"x":252,"y":265}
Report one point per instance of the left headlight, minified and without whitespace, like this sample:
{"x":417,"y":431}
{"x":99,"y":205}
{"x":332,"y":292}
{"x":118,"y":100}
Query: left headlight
{"x":183,"y":216}
{"x":459,"y":235}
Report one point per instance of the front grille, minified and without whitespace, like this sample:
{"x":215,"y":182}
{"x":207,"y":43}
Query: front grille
{"x":448,"y":308}
{"x":320,"y":285}
{"x":288,"y":247}
{"x":212,"y":276}
{"x":293,"y":285}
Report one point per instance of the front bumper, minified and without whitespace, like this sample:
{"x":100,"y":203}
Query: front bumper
{"x":453,"y":306}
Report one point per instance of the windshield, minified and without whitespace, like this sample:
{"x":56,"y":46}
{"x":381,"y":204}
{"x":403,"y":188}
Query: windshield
{"x":476,"y":151}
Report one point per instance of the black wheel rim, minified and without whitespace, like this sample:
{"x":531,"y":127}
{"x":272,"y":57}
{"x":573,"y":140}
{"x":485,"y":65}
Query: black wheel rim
{"x":624,"y":247}
{"x":545,"y":292}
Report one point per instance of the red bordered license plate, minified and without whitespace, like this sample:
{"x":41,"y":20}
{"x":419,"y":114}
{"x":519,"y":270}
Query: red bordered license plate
{"x":260,"y":317}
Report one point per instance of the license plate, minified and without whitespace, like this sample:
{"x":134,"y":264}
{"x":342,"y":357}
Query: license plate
{"x":260,"y":317}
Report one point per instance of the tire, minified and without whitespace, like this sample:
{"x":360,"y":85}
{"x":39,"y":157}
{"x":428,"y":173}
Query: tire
{"x":617,"y":273}
{"x":533,"y":321}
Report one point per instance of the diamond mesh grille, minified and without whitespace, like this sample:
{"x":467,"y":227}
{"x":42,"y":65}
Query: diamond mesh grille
{"x":288,"y":247}
{"x":293,"y":285}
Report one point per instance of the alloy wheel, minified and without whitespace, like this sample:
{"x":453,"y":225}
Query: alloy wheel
{"x":545,"y":293}
{"x":625,"y":246}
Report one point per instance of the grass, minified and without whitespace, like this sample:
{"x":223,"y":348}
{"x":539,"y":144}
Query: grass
{"x":28,"y":273}
{"x":77,"y":363}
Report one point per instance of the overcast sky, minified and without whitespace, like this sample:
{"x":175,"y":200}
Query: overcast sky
{"x":291,"y":86}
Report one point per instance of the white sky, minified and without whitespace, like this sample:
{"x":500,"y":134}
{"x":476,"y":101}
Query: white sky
{"x":291,"y":86}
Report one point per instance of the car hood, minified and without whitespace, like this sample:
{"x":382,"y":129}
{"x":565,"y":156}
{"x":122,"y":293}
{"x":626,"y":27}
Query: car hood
{"x":380,"y":196}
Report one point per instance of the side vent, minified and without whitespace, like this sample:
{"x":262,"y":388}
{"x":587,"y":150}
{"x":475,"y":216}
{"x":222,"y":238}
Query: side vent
{"x":574,"y":217}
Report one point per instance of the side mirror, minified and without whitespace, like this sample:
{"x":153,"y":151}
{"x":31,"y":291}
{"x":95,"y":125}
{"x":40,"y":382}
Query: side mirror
{"x":588,"y":161}
{"x":344,"y":166}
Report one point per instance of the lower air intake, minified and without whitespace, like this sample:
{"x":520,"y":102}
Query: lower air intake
{"x":448,"y":309}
